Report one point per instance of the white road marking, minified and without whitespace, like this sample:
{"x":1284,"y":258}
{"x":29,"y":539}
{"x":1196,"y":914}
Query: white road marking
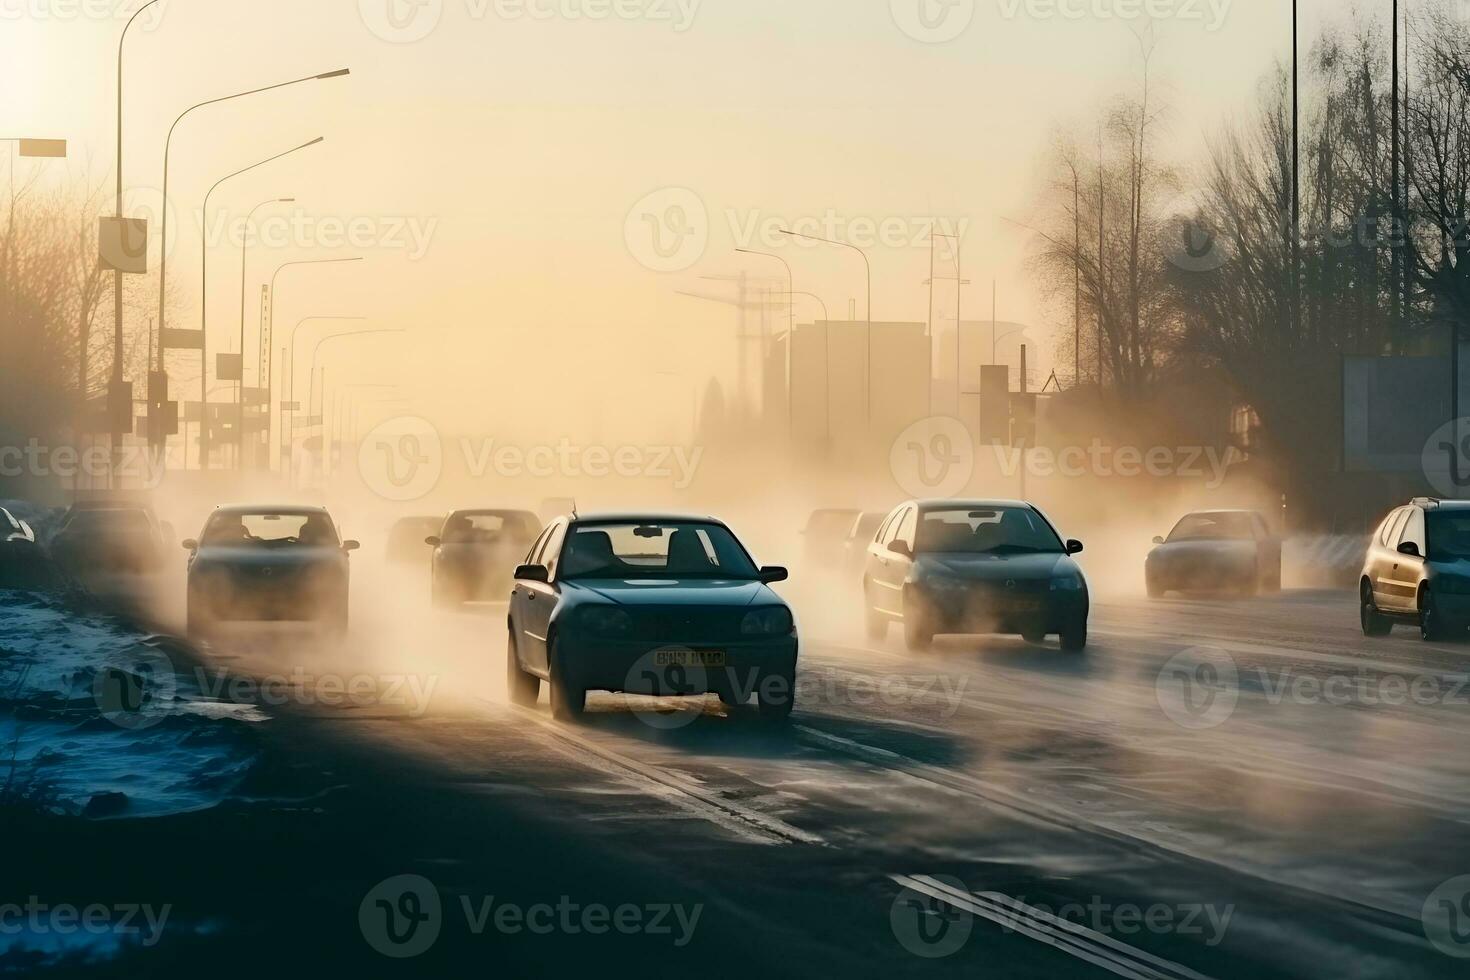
{"x":1067,"y":937}
{"x":751,"y":824}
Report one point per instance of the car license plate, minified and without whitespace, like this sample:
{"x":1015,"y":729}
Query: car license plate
{"x":690,"y":658}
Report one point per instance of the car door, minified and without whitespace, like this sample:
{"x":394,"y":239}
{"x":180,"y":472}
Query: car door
{"x":881,"y":592}
{"x":520,"y":599}
{"x":1408,"y":570}
{"x":1385,"y":563}
{"x":539,"y":601}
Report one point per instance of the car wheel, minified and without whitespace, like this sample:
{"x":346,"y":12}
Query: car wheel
{"x":1431,"y":623}
{"x":568,"y":701}
{"x":918,"y":630}
{"x":1374,"y":622}
{"x":524,"y":688}
{"x":876,"y":623}
{"x":774,"y":702}
{"x":1074,"y":637}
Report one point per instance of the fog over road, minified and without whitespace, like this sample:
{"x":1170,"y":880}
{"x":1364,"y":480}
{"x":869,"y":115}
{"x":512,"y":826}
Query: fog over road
{"x":1234,"y":787}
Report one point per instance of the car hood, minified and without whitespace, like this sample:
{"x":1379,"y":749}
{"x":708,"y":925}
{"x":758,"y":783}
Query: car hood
{"x":266,"y":558}
{"x":1185,"y":550}
{"x":1000,"y":568}
{"x":730,"y":593}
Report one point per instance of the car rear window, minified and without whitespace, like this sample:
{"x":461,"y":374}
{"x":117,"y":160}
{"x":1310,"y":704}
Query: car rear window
{"x":270,"y":529}
{"x":989,"y":530}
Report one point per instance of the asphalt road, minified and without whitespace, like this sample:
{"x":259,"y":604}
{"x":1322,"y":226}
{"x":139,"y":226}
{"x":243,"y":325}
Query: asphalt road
{"x":1217,"y":787}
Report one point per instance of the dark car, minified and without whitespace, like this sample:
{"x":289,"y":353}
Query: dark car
{"x":949,"y":566}
{"x":23,"y":562}
{"x":855,"y":548}
{"x":255,"y":564}
{"x":649,"y":605}
{"x":110,"y":540}
{"x":825,"y":534}
{"x":406,"y":540}
{"x":1215,"y":551}
{"x":476,"y":553}
{"x":1417,"y":570}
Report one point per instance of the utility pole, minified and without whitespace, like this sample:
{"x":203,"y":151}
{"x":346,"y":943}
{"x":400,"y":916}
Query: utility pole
{"x":1395,"y":247}
{"x":1077,"y":277}
{"x":1296,"y":174}
{"x":1102,"y":203}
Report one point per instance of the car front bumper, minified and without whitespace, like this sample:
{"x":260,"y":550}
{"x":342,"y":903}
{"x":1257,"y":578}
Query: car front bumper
{"x":663,"y":668}
{"x":1001,"y":611}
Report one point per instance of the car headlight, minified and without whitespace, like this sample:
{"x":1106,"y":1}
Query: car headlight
{"x":1453,"y":584}
{"x":605,"y":621}
{"x":1067,"y":583}
{"x":774,"y":621}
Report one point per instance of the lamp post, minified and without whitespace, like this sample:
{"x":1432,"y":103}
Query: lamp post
{"x":868,"y":266}
{"x":288,"y":355}
{"x":790,"y":335}
{"x":117,"y":274}
{"x":204,"y":299}
{"x":240,"y":387}
{"x":168,"y":145}
{"x":311,"y":383}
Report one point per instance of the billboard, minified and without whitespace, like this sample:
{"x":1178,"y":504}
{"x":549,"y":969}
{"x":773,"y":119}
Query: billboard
{"x":1391,"y":408}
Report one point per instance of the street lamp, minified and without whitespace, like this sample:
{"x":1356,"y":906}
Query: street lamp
{"x":270,"y":325}
{"x":868,"y":266}
{"x":790,"y":335}
{"x":289,"y":355}
{"x":311,"y":381}
{"x":167,"y":145}
{"x":240,"y":387}
{"x":204,"y":297}
{"x":117,"y":274}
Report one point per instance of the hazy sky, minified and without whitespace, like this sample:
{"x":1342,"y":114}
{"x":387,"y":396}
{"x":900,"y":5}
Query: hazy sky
{"x":491,"y":168}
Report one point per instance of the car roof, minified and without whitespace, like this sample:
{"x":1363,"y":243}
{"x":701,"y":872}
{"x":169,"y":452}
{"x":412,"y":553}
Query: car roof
{"x":492,"y":512}
{"x":1221,"y":513}
{"x":939,"y":504}
{"x":645,"y":518}
{"x":1432,"y":503}
{"x":286,"y":510}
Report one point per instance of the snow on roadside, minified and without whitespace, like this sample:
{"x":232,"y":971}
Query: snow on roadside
{"x":100,"y":720}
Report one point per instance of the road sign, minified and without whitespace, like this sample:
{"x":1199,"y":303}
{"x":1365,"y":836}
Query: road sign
{"x":257,"y":397}
{"x":229,"y":367}
{"x":43,"y":148}
{"x":182,"y":339}
{"x":122,"y":244}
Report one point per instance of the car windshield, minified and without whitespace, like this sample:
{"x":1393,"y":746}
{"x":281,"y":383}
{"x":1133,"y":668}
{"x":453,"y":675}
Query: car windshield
{"x":490,"y":528}
{"x":655,"y":551}
{"x":271,"y":530}
{"x":1449,"y":535}
{"x":991,"y":530}
{"x":1213,"y":527}
{"x":109,"y":522}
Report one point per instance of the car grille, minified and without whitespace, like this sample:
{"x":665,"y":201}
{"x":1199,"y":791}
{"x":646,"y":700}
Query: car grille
{"x":679,"y":625}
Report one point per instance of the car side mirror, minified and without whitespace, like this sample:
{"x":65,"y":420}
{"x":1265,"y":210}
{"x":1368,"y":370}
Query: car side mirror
{"x":1409,"y":548}
{"x":191,"y":545}
{"x":533,"y":573}
{"x":351,"y":545}
{"x":901,"y":548}
{"x":1074,"y":547}
{"x":1158,"y":540}
{"x":772,"y":574}
{"x":432,"y":541}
